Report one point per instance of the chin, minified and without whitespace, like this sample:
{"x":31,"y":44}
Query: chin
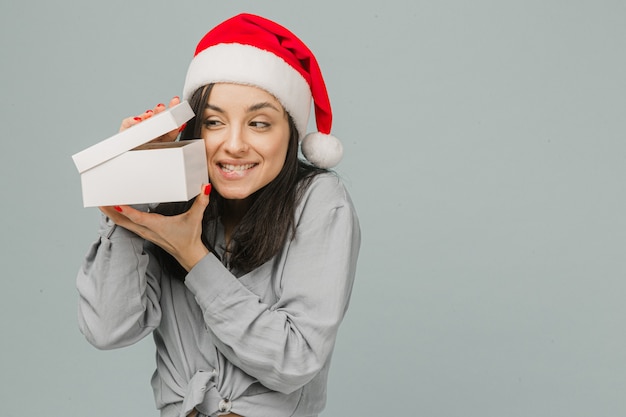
{"x":234,"y":194}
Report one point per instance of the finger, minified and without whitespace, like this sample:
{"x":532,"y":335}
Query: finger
{"x":110,"y":212}
{"x":172,"y":135}
{"x":141,"y":223}
{"x":174,"y":101}
{"x":159,"y":108}
{"x":147,"y":114}
{"x":201,"y":202}
{"x":130,"y":122}
{"x":168,"y":137}
{"x":119,"y":216}
{"x":135,"y":216}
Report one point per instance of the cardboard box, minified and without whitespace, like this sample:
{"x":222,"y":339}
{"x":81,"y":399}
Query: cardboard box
{"x":127,"y":169}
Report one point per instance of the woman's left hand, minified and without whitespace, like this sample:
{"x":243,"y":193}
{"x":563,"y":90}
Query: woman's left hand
{"x":178,"y":235}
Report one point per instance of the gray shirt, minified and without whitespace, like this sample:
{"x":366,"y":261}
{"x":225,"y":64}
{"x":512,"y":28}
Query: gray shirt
{"x":258,"y":344}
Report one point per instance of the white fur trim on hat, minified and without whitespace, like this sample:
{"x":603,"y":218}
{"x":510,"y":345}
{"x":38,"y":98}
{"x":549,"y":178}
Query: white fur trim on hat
{"x":245,"y":64}
{"x":323,"y":151}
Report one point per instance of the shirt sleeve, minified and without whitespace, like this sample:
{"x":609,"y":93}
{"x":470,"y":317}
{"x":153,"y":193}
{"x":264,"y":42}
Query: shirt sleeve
{"x":285,"y":345}
{"x":118,"y":289}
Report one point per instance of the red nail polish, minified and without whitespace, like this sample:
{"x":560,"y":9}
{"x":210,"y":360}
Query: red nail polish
{"x":180,"y":129}
{"x":207,"y":189}
{"x":149,"y":111}
{"x":118,"y":208}
{"x":137,"y":119}
{"x":160,"y":105}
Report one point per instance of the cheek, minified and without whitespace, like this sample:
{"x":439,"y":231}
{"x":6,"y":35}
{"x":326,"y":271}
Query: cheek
{"x":209,"y":146}
{"x":278,"y":153}
{"x":281,"y":144}
{"x":209,"y":150}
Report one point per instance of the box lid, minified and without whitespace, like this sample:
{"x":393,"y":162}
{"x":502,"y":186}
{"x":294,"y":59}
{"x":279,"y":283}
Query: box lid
{"x":149,"y":129}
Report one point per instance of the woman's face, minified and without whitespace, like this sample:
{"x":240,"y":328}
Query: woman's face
{"x":246,"y":135}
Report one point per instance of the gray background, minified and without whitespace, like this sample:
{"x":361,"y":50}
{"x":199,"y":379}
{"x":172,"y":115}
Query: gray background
{"x":484,"y":151}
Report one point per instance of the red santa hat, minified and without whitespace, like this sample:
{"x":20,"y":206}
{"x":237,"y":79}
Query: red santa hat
{"x":251,"y":50}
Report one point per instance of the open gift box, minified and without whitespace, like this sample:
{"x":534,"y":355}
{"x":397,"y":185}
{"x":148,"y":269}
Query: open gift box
{"x":129,"y":169}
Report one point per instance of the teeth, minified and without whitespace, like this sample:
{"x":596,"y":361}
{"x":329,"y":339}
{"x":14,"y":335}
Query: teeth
{"x":231,"y":168}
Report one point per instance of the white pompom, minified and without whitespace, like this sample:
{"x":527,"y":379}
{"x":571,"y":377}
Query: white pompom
{"x":323,"y":151}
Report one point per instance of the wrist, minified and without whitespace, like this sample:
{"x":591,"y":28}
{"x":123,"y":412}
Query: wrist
{"x":192,"y":257}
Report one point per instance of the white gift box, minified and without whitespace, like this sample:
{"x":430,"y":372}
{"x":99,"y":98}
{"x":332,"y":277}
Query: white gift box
{"x":127,"y":169}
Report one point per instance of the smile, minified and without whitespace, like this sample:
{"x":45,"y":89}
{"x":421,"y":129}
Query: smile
{"x":236,"y":168}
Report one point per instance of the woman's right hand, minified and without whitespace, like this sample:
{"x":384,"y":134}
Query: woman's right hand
{"x":134,"y":120}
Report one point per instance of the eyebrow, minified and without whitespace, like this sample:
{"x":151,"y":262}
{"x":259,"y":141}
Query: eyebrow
{"x":260,"y":106}
{"x":252,"y":108}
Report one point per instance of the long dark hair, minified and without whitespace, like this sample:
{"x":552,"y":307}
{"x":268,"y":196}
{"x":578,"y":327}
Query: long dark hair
{"x":270,"y":220}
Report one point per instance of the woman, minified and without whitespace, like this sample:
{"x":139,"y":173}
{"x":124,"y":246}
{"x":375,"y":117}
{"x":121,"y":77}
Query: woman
{"x":243,"y":289}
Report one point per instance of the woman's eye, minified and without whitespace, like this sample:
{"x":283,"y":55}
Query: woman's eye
{"x":259,"y":125}
{"x":209,"y":123}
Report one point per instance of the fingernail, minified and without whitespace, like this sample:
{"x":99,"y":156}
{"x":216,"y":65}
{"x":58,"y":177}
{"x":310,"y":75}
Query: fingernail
{"x":176,"y":97}
{"x":180,"y":129}
{"x":207,"y":189}
{"x":149,"y":111}
{"x":137,"y":119}
{"x":118,"y":208}
{"x":160,"y":105}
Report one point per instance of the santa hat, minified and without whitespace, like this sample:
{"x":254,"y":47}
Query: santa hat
{"x":251,"y":50}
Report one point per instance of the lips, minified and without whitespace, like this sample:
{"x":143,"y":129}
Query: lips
{"x":235,"y":167}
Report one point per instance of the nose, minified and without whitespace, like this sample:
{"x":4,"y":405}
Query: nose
{"x":235,"y":142}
